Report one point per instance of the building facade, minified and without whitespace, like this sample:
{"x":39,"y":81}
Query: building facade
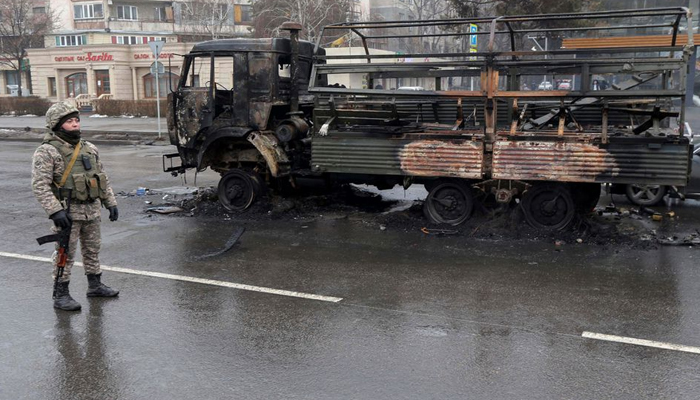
{"x":101,"y":47}
{"x":122,"y":72}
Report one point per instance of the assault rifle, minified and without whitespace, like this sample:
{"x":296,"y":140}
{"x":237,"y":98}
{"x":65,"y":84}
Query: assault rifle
{"x":62,"y":237}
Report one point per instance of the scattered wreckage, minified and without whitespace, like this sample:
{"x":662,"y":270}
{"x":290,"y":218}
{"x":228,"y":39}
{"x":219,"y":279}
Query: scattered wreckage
{"x":268,"y":111}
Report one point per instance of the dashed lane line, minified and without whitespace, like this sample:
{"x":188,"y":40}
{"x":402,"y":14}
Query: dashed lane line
{"x":183,"y":278}
{"x":641,"y":342}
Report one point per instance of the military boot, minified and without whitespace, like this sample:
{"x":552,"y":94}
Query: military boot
{"x":63,"y":301}
{"x":97,"y":288}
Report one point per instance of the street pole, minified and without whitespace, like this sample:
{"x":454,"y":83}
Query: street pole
{"x":534,"y":39}
{"x":156,"y":47}
{"x":158,"y":98}
{"x":545,"y":57}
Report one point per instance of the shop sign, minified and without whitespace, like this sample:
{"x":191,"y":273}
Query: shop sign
{"x":147,"y":56}
{"x":89,"y":57}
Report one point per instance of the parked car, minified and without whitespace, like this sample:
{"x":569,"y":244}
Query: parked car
{"x":651,"y":195}
{"x":410,"y":88}
{"x":545,"y":85}
{"x":565,"y":85}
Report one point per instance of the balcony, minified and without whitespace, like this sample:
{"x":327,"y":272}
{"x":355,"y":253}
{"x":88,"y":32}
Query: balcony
{"x":141,"y":26}
{"x":90,"y":24}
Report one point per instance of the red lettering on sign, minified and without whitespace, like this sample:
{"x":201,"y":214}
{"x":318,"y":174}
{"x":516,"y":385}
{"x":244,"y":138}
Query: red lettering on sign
{"x":101,"y":57}
{"x":63,"y":59}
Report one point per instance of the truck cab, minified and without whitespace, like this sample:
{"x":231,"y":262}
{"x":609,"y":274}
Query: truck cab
{"x":242,"y":108}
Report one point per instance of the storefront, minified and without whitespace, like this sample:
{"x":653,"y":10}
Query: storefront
{"x":122,"y":72}
{"x":9,"y":81}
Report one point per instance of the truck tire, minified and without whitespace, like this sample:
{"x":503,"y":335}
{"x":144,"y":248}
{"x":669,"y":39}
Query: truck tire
{"x":238,"y":190}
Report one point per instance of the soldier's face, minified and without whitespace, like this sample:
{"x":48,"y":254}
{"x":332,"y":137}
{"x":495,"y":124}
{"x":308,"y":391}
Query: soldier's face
{"x":72,"y":124}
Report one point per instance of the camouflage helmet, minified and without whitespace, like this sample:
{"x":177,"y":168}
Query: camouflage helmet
{"x":58,"y":111}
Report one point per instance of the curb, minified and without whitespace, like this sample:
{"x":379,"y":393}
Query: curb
{"x":36,"y":134}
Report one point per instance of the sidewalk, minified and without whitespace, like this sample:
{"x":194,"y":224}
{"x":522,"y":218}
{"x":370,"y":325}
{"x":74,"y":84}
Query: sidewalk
{"x":105,"y":128}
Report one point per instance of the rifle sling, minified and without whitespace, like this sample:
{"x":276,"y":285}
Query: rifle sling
{"x":69,"y":167}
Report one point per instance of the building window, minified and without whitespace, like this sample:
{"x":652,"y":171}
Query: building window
{"x":127,"y":13}
{"x":87,"y":11}
{"x":136,"y":39}
{"x":12,"y":77}
{"x":159,"y":14}
{"x":126,"y":39}
{"x":52,"y":87}
{"x":149,"y":84}
{"x":39,"y":10}
{"x":71,"y":40}
{"x":102,"y":82}
{"x":76,"y":84}
{"x":243,"y":13}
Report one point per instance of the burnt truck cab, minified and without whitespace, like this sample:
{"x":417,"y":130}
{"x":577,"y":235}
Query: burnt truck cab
{"x":238,"y":108}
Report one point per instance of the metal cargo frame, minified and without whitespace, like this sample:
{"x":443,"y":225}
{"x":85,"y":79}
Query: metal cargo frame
{"x":632,"y":132}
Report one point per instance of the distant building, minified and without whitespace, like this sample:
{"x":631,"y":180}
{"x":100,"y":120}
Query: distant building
{"x":101,"y":47}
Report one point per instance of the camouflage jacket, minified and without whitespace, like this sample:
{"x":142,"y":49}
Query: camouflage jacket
{"x":48,"y":167}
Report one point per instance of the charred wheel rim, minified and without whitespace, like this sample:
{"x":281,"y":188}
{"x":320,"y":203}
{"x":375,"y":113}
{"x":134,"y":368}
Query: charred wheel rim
{"x":449,"y":203}
{"x":237,"y":190}
{"x":645,"y":195}
{"x":548,"y":207}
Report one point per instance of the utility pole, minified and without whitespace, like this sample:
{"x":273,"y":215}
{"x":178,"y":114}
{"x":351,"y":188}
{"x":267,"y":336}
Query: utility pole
{"x":546,"y":45}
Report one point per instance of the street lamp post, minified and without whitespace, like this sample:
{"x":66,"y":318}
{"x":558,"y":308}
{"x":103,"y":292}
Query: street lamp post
{"x":546,"y":42}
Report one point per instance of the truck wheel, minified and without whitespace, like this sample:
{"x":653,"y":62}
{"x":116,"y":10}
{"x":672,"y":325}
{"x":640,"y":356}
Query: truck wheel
{"x":238,"y":190}
{"x":449,"y":202}
{"x":645,"y":195}
{"x":548,"y":206}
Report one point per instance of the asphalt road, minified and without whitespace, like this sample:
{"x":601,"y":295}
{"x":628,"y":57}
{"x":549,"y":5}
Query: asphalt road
{"x":406,"y":316}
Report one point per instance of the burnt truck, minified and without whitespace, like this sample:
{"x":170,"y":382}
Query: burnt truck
{"x":602,"y":102}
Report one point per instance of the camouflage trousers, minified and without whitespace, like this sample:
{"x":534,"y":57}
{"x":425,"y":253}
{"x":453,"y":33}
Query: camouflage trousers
{"x":88,"y":232}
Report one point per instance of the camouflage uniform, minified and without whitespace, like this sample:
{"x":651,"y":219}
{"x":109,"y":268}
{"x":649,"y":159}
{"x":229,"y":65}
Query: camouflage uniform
{"x":48,"y":167}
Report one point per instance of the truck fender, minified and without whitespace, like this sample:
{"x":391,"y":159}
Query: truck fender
{"x":213,"y":137}
{"x":268,"y":146}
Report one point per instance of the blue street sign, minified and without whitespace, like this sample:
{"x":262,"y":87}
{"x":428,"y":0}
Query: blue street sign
{"x":472,"y":38}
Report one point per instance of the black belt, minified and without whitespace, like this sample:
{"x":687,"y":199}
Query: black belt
{"x":89,"y":201}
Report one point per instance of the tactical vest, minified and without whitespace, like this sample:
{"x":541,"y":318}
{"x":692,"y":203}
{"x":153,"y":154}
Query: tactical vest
{"x":85,"y":179}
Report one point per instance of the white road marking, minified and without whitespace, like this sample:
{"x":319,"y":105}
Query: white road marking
{"x":641,"y":342}
{"x":183,"y":278}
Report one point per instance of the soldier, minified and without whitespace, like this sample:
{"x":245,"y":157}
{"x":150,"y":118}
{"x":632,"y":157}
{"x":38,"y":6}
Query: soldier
{"x":65,"y":161}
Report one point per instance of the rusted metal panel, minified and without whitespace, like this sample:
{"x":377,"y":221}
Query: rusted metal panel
{"x":626,"y":41}
{"x":652,"y":163}
{"x":403,"y":157}
{"x":268,"y":146}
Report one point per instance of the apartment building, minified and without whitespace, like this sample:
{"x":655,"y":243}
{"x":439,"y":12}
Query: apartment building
{"x":16,"y":27}
{"x":101,"y":47}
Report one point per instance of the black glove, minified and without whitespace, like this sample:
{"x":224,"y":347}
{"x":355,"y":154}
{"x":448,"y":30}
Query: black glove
{"x":113,"y":213}
{"x":61,"y":219}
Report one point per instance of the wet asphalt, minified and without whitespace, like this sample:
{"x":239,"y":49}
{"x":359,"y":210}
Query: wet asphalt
{"x":421,"y":317}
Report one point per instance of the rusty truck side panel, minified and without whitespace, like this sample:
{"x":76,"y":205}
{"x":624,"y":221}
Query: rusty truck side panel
{"x":434,"y":157}
{"x":644,"y":163}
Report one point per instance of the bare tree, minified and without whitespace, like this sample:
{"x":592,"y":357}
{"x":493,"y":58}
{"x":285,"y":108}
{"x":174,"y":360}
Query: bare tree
{"x":23,"y":24}
{"x":207,"y":19}
{"x":268,"y":15}
{"x":429,"y":10}
{"x":479,"y":8}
